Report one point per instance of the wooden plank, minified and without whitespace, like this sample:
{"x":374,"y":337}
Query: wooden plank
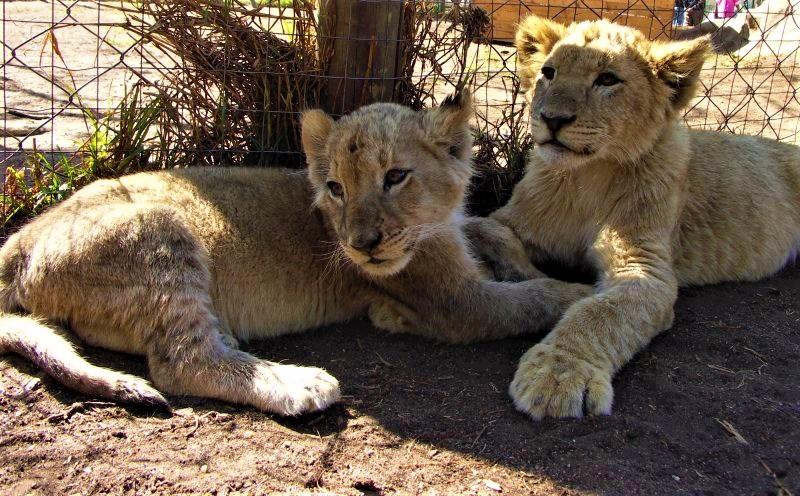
{"x":361,"y":39}
{"x":652,"y":17}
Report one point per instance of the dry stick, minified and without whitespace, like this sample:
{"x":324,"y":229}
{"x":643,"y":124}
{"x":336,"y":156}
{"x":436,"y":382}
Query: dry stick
{"x":732,"y":431}
{"x":76,"y":408}
{"x":480,"y":434}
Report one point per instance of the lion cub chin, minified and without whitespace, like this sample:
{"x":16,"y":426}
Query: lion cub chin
{"x":616,"y":180}
{"x":180,"y":266}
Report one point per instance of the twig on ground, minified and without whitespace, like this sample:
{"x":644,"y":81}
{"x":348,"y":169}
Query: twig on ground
{"x":732,"y":431}
{"x":79,"y":407}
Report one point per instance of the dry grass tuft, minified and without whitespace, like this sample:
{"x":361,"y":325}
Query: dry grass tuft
{"x":234,"y":88}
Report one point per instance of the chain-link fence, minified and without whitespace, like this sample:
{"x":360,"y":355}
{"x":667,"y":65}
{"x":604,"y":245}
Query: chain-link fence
{"x":97,"y":88}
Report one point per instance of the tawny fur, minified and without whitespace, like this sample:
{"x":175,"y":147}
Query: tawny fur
{"x":651,"y":204}
{"x":181,"y":265}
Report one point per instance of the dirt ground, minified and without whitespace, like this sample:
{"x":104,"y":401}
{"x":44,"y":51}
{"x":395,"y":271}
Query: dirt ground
{"x":711,"y":407}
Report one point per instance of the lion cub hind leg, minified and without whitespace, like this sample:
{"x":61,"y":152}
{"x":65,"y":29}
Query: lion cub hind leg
{"x":152,"y":297}
{"x":189,"y":353}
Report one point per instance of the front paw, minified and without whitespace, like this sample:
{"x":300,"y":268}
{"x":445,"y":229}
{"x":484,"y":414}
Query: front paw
{"x":554,"y":383}
{"x":291,"y":390}
{"x":514,"y":270}
{"x":391,"y":316}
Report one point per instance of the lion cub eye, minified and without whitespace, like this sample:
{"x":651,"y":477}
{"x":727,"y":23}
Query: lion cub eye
{"x":607,"y":79}
{"x":393,"y":177}
{"x":335,"y":188}
{"x":548,"y":72}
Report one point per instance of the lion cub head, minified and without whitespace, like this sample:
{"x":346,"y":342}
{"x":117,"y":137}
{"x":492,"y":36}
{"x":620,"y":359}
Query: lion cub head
{"x":601,"y":91}
{"x":386,"y":176}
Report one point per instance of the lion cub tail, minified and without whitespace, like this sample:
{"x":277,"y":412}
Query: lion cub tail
{"x":50,"y":351}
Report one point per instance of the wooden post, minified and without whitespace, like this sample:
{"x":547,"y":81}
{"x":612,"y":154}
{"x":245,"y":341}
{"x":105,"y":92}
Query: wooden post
{"x":362,"y":39}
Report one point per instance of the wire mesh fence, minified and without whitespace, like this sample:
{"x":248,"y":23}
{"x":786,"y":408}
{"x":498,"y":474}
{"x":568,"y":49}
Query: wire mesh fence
{"x":97,"y":88}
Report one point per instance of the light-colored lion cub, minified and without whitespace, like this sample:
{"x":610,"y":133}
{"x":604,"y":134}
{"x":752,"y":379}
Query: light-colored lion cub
{"x":180,"y":265}
{"x":617,"y":180}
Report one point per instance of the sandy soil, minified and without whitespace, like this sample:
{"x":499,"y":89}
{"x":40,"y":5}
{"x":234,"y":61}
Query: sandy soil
{"x":712,"y":407}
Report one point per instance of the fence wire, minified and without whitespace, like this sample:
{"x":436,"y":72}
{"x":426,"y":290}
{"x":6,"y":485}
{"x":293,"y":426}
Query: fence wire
{"x":97,"y":88}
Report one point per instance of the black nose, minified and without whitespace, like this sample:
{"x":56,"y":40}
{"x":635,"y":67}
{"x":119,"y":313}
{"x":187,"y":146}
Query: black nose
{"x":366,"y":242}
{"x":555,"y":121}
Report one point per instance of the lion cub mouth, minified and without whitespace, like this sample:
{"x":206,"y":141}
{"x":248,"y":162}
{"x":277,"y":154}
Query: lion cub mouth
{"x":554,"y":142}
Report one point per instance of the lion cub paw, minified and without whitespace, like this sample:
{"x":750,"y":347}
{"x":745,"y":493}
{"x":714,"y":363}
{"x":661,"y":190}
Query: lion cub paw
{"x":391,"y":316}
{"x":553,"y":383}
{"x":291,"y":390}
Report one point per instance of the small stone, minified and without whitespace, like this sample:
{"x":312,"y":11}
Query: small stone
{"x":32,"y":384}
{"x":433,"y":453}
{"x":204,"y":468}
{"x":677,"y":479}
{"x":494,"y":486}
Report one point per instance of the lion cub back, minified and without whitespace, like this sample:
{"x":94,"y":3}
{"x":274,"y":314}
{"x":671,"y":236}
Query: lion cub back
{"x":742,"y":214}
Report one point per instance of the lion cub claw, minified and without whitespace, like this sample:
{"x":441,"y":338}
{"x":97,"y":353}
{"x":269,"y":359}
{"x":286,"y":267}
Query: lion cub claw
{"x":555,"y":383}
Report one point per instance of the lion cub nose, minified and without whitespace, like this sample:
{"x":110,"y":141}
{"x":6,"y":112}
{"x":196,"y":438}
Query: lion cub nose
{"x":366,"y":241}
{"x":555,"y":121}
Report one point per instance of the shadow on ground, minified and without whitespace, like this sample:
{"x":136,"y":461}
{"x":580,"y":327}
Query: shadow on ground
{"x":712,"y":407}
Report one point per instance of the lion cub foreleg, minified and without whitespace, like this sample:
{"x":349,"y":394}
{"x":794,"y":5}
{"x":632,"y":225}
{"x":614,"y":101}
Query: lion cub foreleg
{"x":452,"y":302}
{"x":497,"y":246}
{"x":393,"y":316}
{"x":570,"y":371}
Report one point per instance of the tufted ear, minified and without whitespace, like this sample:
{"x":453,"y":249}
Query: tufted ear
{"x":535,"y":35}
{"x":448,"y":125}
{"x":316,"y":127}
{"x":678,"y":64}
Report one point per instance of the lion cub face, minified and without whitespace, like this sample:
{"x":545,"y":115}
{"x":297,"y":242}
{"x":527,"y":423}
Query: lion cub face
{"x":602,"y":91}
{"x":386,"y":176}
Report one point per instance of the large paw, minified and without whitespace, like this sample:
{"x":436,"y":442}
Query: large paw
{"x":292,"y":390}
{"x":554,"y":383}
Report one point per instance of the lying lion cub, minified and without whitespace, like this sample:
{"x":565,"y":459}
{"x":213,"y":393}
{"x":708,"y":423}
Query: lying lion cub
{"x":617,"y":181}
{"x":180,"y":265}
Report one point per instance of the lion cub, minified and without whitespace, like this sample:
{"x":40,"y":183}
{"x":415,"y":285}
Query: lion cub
{"x":181,"y":265}
{"x":616,"y":180}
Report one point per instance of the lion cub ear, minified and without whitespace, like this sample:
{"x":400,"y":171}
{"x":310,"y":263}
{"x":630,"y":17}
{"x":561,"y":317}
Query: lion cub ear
{"x":448,"y":124}
{"x":678,"y":64}
{"x":316,"y":127}
{"x":537,"y":35}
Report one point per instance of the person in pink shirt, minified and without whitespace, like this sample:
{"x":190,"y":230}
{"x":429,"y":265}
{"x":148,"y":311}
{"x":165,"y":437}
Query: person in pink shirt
{"x":728,"y":8}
